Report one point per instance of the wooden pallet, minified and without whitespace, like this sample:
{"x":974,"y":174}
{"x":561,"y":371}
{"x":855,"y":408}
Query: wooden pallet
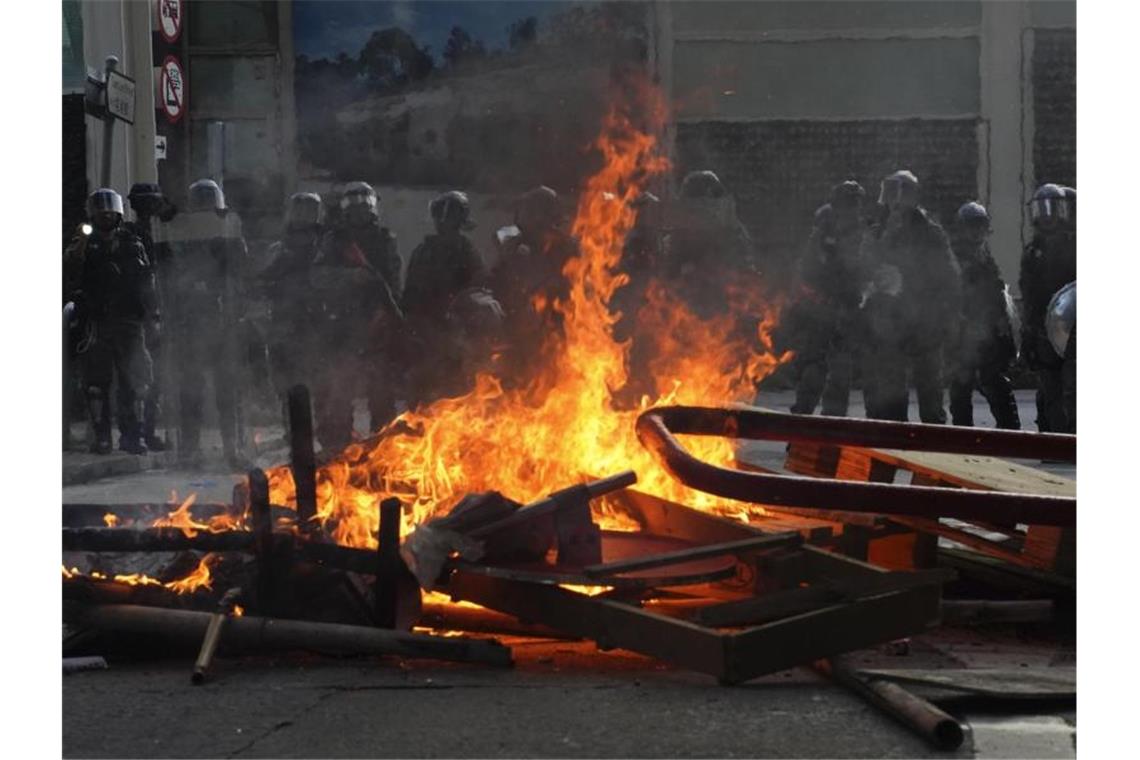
{"x":1038,"y":547}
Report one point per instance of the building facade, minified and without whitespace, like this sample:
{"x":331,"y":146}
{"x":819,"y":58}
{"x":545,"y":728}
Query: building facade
{"x":224,"y":109}
{"x":784,"y":99}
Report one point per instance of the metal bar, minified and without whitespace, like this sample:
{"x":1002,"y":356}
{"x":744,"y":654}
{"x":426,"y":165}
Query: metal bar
{"x":655,"y":429}
{"x":302,"y":458}
{"x":937,"y":727}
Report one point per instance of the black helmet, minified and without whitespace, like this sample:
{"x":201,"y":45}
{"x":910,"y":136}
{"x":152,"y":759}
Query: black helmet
{"x":702,"y":184}
{"x":102,"y":200}
{"x":972,"y":213}
{"x":848,"y":193}
{"x":205,"y":195}
{"x":1050,"y":204}
{"x":146,"y":198}
{"x":901,"y":187}
{"x":452,"y":209}
{"x":303,"y":211}
{"x":537,"y":207}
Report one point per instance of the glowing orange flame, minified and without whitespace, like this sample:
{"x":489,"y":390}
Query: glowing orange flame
{"x":110,"y":520}
{"x":562,"y":428}
{"x":197,"y":579}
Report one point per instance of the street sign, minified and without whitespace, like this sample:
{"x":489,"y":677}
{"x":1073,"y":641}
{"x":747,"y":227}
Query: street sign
{"x":172,"y":89}
{"x":170,"y":19}
{"x":121,"y":96}
{"x":159,"y":147}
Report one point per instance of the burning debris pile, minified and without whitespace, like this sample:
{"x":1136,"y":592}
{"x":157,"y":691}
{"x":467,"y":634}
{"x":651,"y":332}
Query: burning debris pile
{"x":513,"y":509}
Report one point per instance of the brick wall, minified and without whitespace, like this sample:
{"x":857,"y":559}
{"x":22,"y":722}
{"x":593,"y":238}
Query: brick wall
{"x":781,"y":171}
{"x":1055,"y":107}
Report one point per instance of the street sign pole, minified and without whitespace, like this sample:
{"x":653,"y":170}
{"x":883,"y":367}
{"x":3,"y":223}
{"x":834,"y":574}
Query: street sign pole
{"x":108,"y":124}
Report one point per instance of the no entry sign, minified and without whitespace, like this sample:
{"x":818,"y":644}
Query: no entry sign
{"x":172,"y":89}
{"x":170,"y":19}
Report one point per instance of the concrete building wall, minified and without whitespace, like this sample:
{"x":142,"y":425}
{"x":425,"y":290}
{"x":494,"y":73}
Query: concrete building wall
{"x":241,"y":73}
{"x":121,"y":28}
{"x":786,"y":98}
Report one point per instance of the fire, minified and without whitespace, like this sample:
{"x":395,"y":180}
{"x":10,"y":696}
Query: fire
{"x":563,"y":427}
{"x":238,"y":610}
{"x":199,"y":578}
{"x":110,"y":519}
{"x":181,"y":518}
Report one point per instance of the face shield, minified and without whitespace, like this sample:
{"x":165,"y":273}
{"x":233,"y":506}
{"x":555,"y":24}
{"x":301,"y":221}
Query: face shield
{"x":105,"y":209}
{"x":1048,"y":212}
{"x":304,"y":212}
{"x":359,"y":206}
{"x":898,"y":193}
{"x":451,"y":212}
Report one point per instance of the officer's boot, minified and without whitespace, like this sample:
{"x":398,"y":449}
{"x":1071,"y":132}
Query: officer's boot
{"x":130,"y":435}
{"x":99,"y":412}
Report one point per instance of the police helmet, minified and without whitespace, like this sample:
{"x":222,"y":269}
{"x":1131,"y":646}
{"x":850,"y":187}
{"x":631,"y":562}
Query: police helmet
{"x":899,"y":188}
{"x":702,"y":184}
{"x":304,"y":210}
{"x":847,"y":194}
{"x":205,"y":195}
{"x":537,"y":207}
{"x":452,"y":209}
{"x":359,"y":194}
{"x":972,"y":213}
{"x":1050,"y":204}
{"x":104,"y":200}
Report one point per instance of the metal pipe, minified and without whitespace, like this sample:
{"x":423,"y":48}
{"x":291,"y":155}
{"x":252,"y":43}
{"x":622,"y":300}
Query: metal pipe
{"x":655,"y":429}
{"x":939,"y":728}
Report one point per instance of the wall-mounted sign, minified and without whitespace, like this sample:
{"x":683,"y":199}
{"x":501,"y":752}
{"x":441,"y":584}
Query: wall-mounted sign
{"x":172,"y":89}
{"x":121,"y":97}
{"x":170,"y":19}
{"x":159,"y":147}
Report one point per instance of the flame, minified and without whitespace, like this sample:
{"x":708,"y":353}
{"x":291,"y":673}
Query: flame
{"x":110,"y":519}
{"x":238,"y":610}
{"x":197,"y":579}
{"x":563,"y":427}
{"x":587,"y":590}
{"x":181,"y":518}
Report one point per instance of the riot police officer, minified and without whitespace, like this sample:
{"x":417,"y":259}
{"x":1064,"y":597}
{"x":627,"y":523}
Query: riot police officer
{"x":1048,"y":263}
{"x":285,"y":281}
{"x":360,"y":236}
{"x":443,"y":269}
{"x":830,"y":280}
{"x":528,"y":278}
{"x":707,"y":246}
{"x":641,"y":263}
{"x":983,"y":348}
{"x":910,"y":305}
{"x":111,"y":281}
{"x":151,"y":208}
{"x":206,"y":282}
{"x":354,"y":321}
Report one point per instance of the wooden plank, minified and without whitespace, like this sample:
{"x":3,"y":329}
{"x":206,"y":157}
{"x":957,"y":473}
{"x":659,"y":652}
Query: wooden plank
{"x":978,"y":472}
{"x":1004,"y":575}
{"x":700,"y":552}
